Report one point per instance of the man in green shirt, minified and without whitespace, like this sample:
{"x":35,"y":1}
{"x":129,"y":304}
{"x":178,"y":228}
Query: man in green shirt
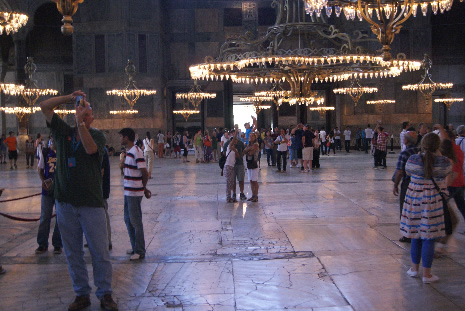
{"x":79,"y":199}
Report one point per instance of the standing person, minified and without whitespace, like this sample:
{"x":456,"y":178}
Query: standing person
{"x":198,"y":146}
{"x":250,"y":129}
{"x":381,"y":146}
{"x":331,"y":143}
{"x":307,"y":152}
{"x":29,"y":152}
{"x":168,"y":144}
{"x":38,"y":145}
{"x":281,"y":141}
{"x":47,"y":165}
{"x":316,"y":150}
{"x":293,"y":152}
{"x":149,"y":153}
{"x":347,"y":134}
{"x":185,"y":147}
{"x":251,"y":152}
{"x":269,"y":148}
{"x":219,"y":136}
{"x":260,"y":147}
{"x":214,"y":145}
{"x":207,"y":143}
{"x":368,"y":138}
{"x":337,"y":138}
{"x":232,"y":155}
{"x":79,"y":199}
{"x":160,"y":143}
{"x":122,"y":158}
{"x":298,"y":131}
{"x":423,"y":215}
{"x":364,"y":140}
{"x":422,"y":131}
{"x":405,"y":125}
{"x":324,"y":147}
{"x":106,"y":192}
{"x":2,"y":150}
{"x":400,"y":176}
{"x":135,"y":181}
{"x":224,"y":139}
{"x":239,"y":170}
{"x":177,"y":145}
{"x":358,"y":139}
{"x":11,"y":142}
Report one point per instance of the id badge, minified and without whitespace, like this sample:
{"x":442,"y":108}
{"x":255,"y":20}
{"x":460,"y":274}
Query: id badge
{"x":72,"y":162}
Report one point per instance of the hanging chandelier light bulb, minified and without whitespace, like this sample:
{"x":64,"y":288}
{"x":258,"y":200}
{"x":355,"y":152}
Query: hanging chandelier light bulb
{"x":195,"y":95}
{"x":448,"y":101}
{"x":31,"y":91}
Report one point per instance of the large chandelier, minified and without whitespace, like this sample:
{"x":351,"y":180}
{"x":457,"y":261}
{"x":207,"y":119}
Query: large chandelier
{"x":195,"y":96}
{"x":31,"y":91}
{"x":297,"y":54}
{"x":186,"y":112}
{"x":355,"y":90}
{"x":448,"y":101}
{"x":10,"y":22}
{"x":131,"y":93}
{"x":385,"y":16}
{"x":322,"y":110}
{"x":257,"y":102}
{"x":381,"y":103}
{"x":67,"y":8}
{"x":64,"y":112}
{"x":22,"y":113}
{"x":124,"y":113}
{"x":11,"y":89}
{"x":426,"y":86}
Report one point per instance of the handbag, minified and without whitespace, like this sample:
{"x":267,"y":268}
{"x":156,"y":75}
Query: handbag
{"x":328,"y":144}
{"x":451,"y":219}
{"x":222,"y":161}
{"x":251,"y":164}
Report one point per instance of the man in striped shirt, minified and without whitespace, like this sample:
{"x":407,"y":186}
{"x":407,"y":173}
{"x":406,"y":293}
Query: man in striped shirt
{"x":135,"y":180}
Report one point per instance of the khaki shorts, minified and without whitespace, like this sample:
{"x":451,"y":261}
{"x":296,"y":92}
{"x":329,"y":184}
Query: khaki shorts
{"x":307,"y":154}
{"x":239,"y":172}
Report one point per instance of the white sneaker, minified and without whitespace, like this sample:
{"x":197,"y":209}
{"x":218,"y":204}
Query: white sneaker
{"x":412,"y":273}
{"x":432,"y":279}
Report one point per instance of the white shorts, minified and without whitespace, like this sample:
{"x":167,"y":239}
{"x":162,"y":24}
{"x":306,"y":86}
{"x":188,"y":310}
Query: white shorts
{"x":307,"y":154}
{"x":253,"y":174}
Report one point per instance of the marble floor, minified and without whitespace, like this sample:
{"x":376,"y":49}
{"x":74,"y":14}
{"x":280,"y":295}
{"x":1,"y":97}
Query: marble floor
{"x":327,"y":240}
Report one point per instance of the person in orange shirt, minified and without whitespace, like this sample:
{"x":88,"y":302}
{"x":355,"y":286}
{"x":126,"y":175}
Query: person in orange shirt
{"x":12,"y":152}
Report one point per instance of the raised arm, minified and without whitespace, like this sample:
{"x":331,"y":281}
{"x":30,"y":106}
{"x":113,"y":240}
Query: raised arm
{"x":48,"y":105}
{"x":254,"y":124}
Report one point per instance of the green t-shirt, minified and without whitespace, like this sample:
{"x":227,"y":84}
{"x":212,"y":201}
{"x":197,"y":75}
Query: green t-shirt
{"x":80,"y":185}
{"x":239,"y":147}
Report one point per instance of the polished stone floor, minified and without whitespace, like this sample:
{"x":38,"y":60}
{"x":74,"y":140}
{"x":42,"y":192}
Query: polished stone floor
{"x":326,"y":240}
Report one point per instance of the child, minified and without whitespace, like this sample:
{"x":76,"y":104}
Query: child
{"x":122,"y":158}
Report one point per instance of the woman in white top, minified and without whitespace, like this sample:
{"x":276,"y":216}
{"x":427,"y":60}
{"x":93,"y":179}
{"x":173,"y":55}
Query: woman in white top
{"x":231,"y":155}
{"x":149,"y":152}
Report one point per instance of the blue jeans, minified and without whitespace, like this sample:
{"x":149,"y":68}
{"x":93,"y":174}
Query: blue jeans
{"x":74,"y":221}
{"x":269,"y":155}
{"x":133,"y":220}
{"x":46,"y":210}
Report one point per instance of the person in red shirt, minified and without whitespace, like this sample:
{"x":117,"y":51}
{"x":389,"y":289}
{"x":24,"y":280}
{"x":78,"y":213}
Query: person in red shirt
{"x":12,"y":151}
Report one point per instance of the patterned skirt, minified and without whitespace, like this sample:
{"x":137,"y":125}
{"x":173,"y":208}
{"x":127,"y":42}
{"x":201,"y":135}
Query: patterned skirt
{"x":423,"y":214}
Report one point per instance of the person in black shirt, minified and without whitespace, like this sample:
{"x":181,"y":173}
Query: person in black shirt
{"x":307,"y":152}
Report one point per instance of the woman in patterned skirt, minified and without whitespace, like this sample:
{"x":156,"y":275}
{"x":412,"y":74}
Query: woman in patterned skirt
{"x":423,"y":214}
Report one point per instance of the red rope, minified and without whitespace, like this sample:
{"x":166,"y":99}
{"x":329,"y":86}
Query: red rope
{"x":19,"y":218}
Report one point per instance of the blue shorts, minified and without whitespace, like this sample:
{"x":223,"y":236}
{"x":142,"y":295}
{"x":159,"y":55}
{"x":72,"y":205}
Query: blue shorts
{"x":292,"y":154}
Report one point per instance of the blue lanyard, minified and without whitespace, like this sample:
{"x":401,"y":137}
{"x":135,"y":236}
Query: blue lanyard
{"x":75,"y":145}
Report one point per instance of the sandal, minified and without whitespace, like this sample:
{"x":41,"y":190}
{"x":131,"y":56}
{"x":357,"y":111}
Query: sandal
{"x":250,"y":199}
{"x":255,"y":199}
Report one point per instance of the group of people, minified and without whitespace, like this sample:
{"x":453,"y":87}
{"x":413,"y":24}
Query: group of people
{"x":429,"y":169}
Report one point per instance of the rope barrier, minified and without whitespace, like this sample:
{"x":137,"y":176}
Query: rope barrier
{"x":20,"y":218}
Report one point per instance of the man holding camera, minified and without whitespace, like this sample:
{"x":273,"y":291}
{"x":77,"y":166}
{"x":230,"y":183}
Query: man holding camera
{"x":79,"y":199}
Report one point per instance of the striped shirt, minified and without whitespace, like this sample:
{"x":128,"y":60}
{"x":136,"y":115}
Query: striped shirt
{"x":132,"y":175}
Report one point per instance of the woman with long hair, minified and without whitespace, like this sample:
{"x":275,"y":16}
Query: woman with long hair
{"x":422,"y":217}
{"x":251,"y":153}
{"x":149,"y":152}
